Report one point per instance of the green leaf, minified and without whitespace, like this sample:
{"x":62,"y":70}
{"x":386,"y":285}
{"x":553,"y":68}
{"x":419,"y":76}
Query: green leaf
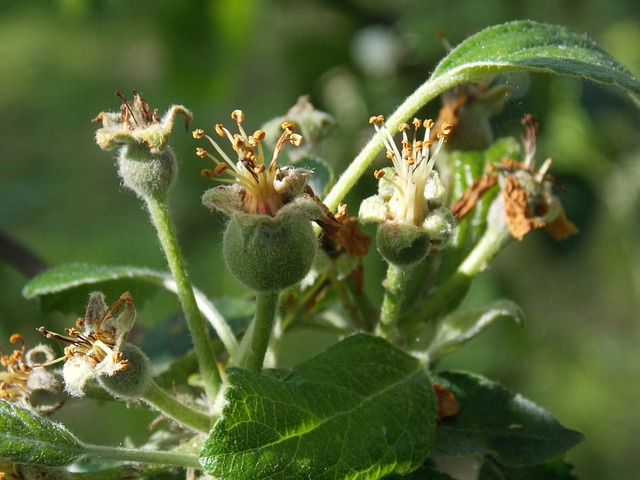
{"x":462,"y":325}
{"x":360,"y":410}
{"x":28,"y":438}
{"x":536,"y":47}
{"x":556,"y":469}
{"x":65,"y":288}
{"x":494,"y":421}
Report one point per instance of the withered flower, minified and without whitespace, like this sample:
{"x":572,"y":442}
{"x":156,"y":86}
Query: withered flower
{"x":25,"y":381}
{"x":527,"y":192}
{"x":94,"y":345}
{"x":136,"y":123}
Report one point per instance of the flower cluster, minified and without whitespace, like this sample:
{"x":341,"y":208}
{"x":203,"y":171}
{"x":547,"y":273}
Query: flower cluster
{"x":257,"y":185}
{"x":408,"y":206}
{"x":269,"y":243}
{"x":95,"y":344}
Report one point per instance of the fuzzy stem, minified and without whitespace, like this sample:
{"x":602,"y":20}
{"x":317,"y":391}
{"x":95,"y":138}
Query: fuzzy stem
{"x":424,"y":94}
{"x":394,"y":286}
{"x":177,"y":459}
{"x":159,"y":211}
{"x":266,"y":308}
{"x":490,"y":244}
{"x":172,"y":407}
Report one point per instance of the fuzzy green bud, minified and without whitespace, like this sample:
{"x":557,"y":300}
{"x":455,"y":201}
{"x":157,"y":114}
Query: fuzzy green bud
{"x":131,"y":382}
{"x":314,"y":125}
{"x":269,"y":254}
{"x":439,"y":225}
{"x":145,"y":174}
{"x":402,"y":244}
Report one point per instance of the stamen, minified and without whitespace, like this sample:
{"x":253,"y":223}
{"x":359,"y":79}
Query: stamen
{"x":220,"y":130}
{"x":238,"y":116}
{"x":221,"y":168}
{"x":127,"y":106}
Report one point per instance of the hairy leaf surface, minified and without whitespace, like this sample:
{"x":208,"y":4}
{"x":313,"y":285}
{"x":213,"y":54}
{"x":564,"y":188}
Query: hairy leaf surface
{"x":28,"y":438}
{"x":360,"y":410}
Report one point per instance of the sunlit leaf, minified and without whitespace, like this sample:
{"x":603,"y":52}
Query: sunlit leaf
{"x":536,"y":47}
{"x":493,"y":421}
{"x":360,"y":410}
{"x":28,"y":438}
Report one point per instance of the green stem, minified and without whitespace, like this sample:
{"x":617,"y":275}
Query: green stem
{"x":159,"y":211}
{"x":266,"y":308}
{"x":394,"y":287}
{"x":172,"y":407}
{"x":423,"y":95}
{"x":450,"y":291}
{"x":177,"y":459}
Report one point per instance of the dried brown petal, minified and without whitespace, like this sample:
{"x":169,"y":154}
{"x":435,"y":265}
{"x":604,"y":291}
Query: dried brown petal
{"x":561,"y":228}
{"x":472,"y":195}
{"x":516,"y":209}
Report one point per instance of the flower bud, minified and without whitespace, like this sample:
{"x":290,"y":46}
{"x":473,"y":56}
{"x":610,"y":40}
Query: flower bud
{"x":132,"y":381}
{"x":269,"y":254}
{"x":147,"y":175}
{"x":314,"y":125}
{"x":402,"y":244}
{"x":439,"y":225}
{"x":46,"y":391}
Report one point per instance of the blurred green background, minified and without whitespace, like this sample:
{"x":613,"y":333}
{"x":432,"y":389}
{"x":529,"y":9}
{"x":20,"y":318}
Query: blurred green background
{"x":61,"y":61}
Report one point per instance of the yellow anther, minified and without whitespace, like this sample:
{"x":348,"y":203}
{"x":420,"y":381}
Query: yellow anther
{"x":295,"y":139}
{"x":220,"y":169}
{"x":198,"y":133}
{"x":220,"y":130}
{"x":237,"y":115}
{"x":238,"y":142}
